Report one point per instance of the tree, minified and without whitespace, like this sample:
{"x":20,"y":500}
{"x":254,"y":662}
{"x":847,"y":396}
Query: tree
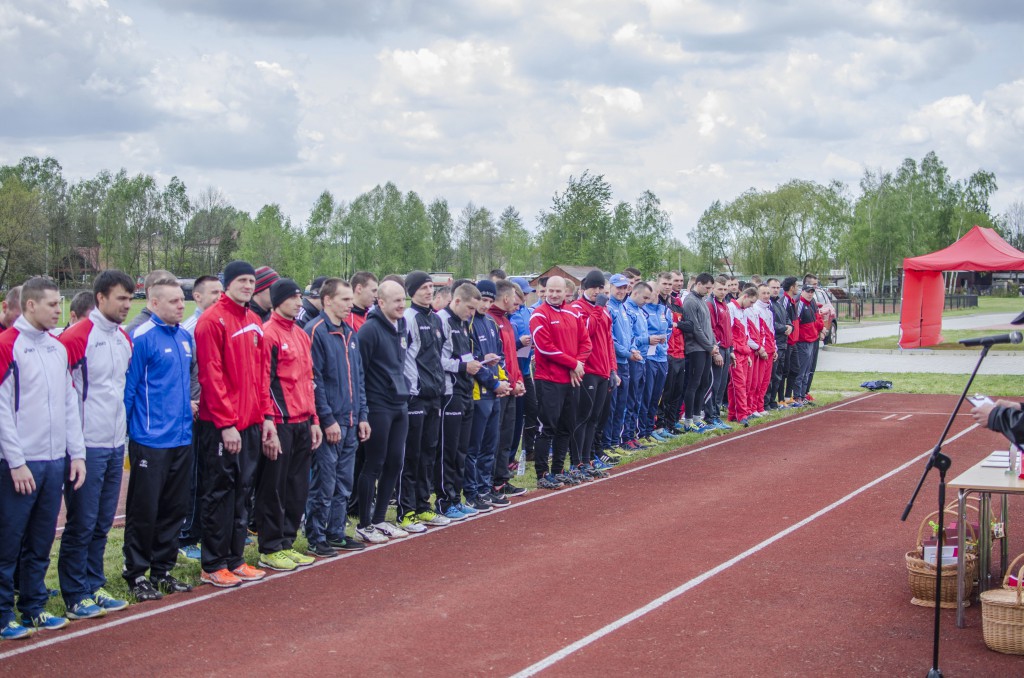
{"x":442,"y":233}
{"x":712,"y":239}
{"x":22,"y":218}
{"x":1011,"y":224}
{"x":477,"y":237}
{"x":323,"y":254}
{"x":271,"y":240}
{"x":413,"y":233}
{"x":515,"y":245}
{"x":647,"y":241}
{"x":577,"y":228}
{"x":127,"y":222}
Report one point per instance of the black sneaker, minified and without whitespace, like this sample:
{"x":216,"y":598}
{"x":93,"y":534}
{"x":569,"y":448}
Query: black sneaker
{"x":496,"y":499}
{"x":480,"y":504}
{"x":165,"y":583}
{"x":346,"y":544}
{"x":321,"y":551}
{"x":144,"y":591}
{"x":509,"y":490}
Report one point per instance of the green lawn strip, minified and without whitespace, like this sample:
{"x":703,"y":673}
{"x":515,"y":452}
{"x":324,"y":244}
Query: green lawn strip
{"x":916,"y":382}
{"x":189,"y":571}
{"x":985,"y":305}
{"x":950,"y":336}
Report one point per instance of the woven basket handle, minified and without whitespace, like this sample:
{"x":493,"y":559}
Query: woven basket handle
{"x":941,"y":537}
{"x":1020,"y":575}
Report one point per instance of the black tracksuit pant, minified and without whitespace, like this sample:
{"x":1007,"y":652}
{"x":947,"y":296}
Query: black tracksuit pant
{"x":779,"y":372}
{"x":698,"y":381}
{"x":420,"y":454}
{"x":227,"y":484}
{"x":675,"y":389}
{"x":593,"y":396}
{"x":556,"y":409}
{"x":792,"y":371}
{"x":382,"y":466}
{"x":156,"y":506}
{"x":283,"y":487}
{"x":456,"y":427}
{"x":506,"y":434}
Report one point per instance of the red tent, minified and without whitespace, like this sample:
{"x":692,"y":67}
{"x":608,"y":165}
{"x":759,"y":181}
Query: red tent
{"x":981,"y":249}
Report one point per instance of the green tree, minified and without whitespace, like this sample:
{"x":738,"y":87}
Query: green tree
{"x":442,"y":234}
{"x":712,"y":239}
{"x":128,"y":220}
{"x":477,"y":238}
{"x":577,"y":228}
{"x":515,"y":244}
{"x":648,"y":237}
{"x":22,"y":218}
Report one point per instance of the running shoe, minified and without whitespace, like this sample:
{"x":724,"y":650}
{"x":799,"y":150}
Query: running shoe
{"x":86,"y":609}
{"x":390,"y":530}
{"x":371,"y":535}
{"x":48,"y":622}
{"x":191,"y":552}
{"x":640,"y":446}
{"x":345,"y":544}
{"x":222,"y":579}
{"x":548,"y":482}
{"x":109,"y":602}
{"x":649,"y":440}
{"x":453,"y":513}
{"x":599,"y":463}
{"x":15,"y":631}
{"x":809,"y":397}
{"x":467,"y":510}
{"x":247,"y":572}
{"x":703,"y":427}
{"x":432,"y":519}
{"x":566,"y":479}
{"x":628,"y":447}
{"x":277,"y":560}
{"x":756,"y":415}
{"x":144,"y":591}
{"x":580,"y":475}
{"x":596,"y":471}
{"x":660,"y":436}
{"x":321,"y":551}
{"x":496,"y":500}
{"x":298,"y":558}
{"x":410,"y":524}
{"x":510,"y":490}
{"x":165,"y":583}
{"x":745,"y":422}
{"x":719,"y":424}
{"x":480,"y":504}
{"x":609,"y":459}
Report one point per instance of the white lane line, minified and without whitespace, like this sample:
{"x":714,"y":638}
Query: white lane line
{"x":556,"y":657}
{"x":905,"y":418}
{"x":108,"y":623}
{"x":889,"y":417}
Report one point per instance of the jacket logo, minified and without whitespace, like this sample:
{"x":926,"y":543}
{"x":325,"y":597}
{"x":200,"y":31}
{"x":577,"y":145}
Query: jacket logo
{"x":188,"y":348}
{"x":284,"y":347}
{"x":405,"y":344}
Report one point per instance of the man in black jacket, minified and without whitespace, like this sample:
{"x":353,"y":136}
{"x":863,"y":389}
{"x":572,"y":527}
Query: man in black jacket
{"x":783,"y":328}
{"x":311,"y":303}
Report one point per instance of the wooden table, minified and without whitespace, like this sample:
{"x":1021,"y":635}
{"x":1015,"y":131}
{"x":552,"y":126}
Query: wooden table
{"x":984,"y":481}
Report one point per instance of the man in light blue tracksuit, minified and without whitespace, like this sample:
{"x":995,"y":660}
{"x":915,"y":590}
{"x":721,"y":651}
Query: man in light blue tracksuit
{"x":659,"y":324}
{"x":625,"y":355}
{"x":641,"y":342}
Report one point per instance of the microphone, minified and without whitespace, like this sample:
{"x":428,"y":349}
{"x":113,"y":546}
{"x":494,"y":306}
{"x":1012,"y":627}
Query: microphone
{"x":1011,"y":338}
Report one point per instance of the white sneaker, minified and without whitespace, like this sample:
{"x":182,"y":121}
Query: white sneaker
{"x":391,"y":530}
{"x":756,"y":414}
{"x":370,"y":535}
{"x":762,"y":413}
{"x":412,"y":525}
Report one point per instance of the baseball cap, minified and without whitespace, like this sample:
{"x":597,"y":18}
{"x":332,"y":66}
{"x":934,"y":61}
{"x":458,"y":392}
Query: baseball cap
{"x":524,"y":286}
{"x":619,"y":280}
{"x":314,"y":287}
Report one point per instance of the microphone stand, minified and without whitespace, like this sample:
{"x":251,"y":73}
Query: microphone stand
{"x":942,"y":462}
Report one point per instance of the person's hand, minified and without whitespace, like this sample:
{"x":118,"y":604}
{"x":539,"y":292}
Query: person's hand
{"x":526,"y":340}
{"x":732,"y":359}
{"x":473,"y":366}
{"x":232,"y":440}
{"x":503,"y":389}
{"x":195,"y":408}
{"x":24,"y":481}
{"x":635,"y":356}
{"x":272,"y":448}
{"x":718,"y":360}
{"x":269,"y":430}
{"x":575,"y":379}
{"x":789,"y":330}
{"x":519,"y":390}
{"x":821,"y":336}
{"x":616,"y":380}
{"x":317,"y":435}
{"x":579,"y":371}
{"x":491,"y":359}
{"x":981,"y":412}
{"x":762,"y":354}
{"x":1008,"y":403}
{"x":775,"y":357}
{"x":77,"y":474}
{"x":363,"y":432}
{"x":333,"y":433}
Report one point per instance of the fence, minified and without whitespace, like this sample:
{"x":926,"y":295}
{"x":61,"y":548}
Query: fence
{"x":858,"y":308}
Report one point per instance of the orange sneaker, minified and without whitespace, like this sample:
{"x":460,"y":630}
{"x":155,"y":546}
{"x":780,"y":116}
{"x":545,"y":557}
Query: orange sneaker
{"x":221,"y":579}
{"x":247,"y":572}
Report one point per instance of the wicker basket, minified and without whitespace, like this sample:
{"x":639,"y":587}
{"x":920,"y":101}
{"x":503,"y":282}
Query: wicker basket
{"x":1002,"y":614}
{"x":921,"y":574}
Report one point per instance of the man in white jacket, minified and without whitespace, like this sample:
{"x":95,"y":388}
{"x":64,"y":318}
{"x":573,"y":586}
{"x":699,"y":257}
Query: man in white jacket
{"x":40,"y":429}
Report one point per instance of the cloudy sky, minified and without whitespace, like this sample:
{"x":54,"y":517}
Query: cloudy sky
{"x":500,"y":101}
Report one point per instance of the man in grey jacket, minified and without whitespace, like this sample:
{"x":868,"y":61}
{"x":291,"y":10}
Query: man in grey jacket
{"x":701,"y":350}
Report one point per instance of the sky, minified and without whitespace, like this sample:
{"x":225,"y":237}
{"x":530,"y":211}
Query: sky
{"x":500,"y":102}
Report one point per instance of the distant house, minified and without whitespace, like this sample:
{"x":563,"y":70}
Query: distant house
{"x":574,"y":274}
{"x":80,"y":265}
{"x":442,"y":278}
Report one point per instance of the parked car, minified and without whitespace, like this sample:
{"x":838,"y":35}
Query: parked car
{"x":827,"y":309}
{"x":140,"y":288}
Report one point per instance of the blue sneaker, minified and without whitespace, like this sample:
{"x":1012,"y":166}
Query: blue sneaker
{"x":659,"y":436}
{"x":191,"y":552}
{"x":453,"y":513}
{"x":47,"y":621}
{"x":15,"y":631}
{"x":704,"y":427}
{"x":719,"y":424}
{"x":467,"y":510}
{"x":598,"y":463}
{"x":87,"y":609}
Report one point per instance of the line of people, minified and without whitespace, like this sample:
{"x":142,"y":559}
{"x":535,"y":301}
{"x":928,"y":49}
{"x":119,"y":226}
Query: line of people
{"x":269,"y":410}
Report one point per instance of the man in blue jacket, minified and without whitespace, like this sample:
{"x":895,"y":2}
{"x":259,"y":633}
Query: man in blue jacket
{"x":341,"y":408}
{"x":158,"y":404}
{"x":659,"y":324}
{"x":634,"y":304}
{"x":625,"y":356}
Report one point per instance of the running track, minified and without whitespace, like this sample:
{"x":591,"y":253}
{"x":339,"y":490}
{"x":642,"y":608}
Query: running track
{"x":773,"y":552}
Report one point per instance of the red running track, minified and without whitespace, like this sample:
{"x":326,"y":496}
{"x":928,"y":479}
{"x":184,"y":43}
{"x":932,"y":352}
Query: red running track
{"x":499,"y":594}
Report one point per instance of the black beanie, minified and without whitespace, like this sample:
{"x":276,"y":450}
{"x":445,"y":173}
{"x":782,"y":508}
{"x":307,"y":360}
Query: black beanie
{"x":283,"y":290}
{"x":593,"y":279}
{"x":235,"y":269}
{"x":415,"y":280}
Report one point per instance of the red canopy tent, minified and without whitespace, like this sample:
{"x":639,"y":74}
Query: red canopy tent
{"x":981,"y":249}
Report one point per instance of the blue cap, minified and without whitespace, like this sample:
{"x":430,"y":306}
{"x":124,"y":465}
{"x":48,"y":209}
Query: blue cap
{"x":522,"y":283}
{"x":487,"y":289}
{"x":619,"y":280}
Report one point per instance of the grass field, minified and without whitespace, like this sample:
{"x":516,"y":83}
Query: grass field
{"x":985,"y":305}
{"x":950,"y":344}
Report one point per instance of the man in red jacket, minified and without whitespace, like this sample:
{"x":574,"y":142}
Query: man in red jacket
{"x":739,"y":375}
{"x":562,"y":346}
{"x":598,"y":369}
{"x":505,"y":304}
{"x":811,"y":325}
{"x":229,"y":344}
{"x":282,"y":473}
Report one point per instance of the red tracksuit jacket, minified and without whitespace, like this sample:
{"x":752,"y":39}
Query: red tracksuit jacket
{"x":599,"y":328}
{"x":560,"y":340}
{"x":508,"y":344}
{"x":288,"y":371}
{"x":229,"y":347}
